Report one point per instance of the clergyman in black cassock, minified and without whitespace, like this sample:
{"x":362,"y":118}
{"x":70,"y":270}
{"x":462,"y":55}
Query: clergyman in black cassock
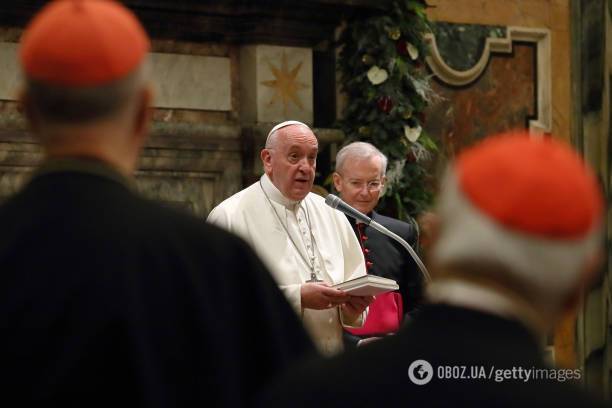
{"x":106,"y":298}
{"x":461,"y":339}
{"x":360,"y":178}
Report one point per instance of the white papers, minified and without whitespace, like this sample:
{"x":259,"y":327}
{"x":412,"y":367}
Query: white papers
{"x":367,"y":285}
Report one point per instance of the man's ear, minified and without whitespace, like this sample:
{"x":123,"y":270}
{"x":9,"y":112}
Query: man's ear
{"x":337,"y":182}
{"x":266,"y":160}
{"x":383,"y":190}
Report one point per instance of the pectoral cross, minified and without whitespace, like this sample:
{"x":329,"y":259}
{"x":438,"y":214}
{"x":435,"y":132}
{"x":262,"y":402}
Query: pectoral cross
{"x":313,"y":278}
{"x":313,"y":275}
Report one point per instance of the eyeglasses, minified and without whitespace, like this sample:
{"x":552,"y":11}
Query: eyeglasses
{"x":372,"y":185}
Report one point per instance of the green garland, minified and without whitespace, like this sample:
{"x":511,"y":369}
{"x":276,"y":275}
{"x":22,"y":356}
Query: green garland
{"x":382,"y":72}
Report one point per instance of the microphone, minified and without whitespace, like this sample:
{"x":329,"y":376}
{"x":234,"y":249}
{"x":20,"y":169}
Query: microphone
{"x":337,"y":203}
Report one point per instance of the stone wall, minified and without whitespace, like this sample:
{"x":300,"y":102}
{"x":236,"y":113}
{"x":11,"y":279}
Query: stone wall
{"x":193,"y":157}
{"x":214,"y":106}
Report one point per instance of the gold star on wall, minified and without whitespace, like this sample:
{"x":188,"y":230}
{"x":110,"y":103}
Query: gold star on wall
{"x":285,"y":84}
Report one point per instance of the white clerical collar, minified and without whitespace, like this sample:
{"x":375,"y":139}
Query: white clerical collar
{"x":472,"y":296}
{"x":275,"y":194}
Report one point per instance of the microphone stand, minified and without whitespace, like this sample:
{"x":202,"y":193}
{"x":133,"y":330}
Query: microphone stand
{"x":403,"y":243}
{"x":336,"y":203}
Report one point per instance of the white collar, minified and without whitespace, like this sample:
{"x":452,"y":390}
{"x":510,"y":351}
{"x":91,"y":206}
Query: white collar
{"x":275,"y":195}
{"x":466,"y":294}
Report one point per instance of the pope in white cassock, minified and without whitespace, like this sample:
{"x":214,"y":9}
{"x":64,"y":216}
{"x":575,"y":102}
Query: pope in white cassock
{"x":307,"y":245}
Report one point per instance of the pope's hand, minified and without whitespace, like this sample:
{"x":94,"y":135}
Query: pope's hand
{"x":356,"y":305}
{"x":321,"y":296}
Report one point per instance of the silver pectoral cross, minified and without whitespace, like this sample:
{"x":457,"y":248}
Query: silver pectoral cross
{"x":313,"y":278}
{"x":313,"y":275}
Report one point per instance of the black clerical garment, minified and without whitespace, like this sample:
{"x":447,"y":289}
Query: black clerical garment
{"x":449,"y":339}
{"x":387,"y":258}
{"x":108,"y":299}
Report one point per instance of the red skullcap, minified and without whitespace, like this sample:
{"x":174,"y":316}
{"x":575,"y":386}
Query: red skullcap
{"x":82,"y":43}
{"x":538,"y":186}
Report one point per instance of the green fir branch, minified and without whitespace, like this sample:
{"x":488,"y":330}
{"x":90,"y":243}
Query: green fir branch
{"x":377,"y":113}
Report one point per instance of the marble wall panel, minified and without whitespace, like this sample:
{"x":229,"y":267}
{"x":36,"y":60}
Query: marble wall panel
{"x":276,"y":84}
{"x":462,"y":46}
{"x":10,"y":75}
{"x":192,"y":82}
{"x":502,"y":98}
{"x":181,"y":81}
{"x":548,"y":14}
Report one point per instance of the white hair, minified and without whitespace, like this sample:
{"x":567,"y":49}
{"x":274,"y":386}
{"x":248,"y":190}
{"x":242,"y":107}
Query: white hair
{"x":360,"y":150}
{"x":548,"y":269}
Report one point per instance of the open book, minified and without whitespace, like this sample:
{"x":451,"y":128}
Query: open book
{"x":367,"y":285}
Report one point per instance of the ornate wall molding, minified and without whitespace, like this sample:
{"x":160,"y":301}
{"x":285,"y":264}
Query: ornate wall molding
{"x":539,"y":36}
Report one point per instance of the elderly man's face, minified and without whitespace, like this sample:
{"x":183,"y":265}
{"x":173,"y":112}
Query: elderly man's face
{"x":292,"y":161}
{"x":360,"y":182}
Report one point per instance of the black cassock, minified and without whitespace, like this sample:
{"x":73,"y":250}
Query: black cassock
{"x":470,"y":358}
{"x":387,"y":258}
{"x":109,"y":299}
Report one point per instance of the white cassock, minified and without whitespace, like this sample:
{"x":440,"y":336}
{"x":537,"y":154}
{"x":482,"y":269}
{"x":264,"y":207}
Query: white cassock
{"x":338,"y":256}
